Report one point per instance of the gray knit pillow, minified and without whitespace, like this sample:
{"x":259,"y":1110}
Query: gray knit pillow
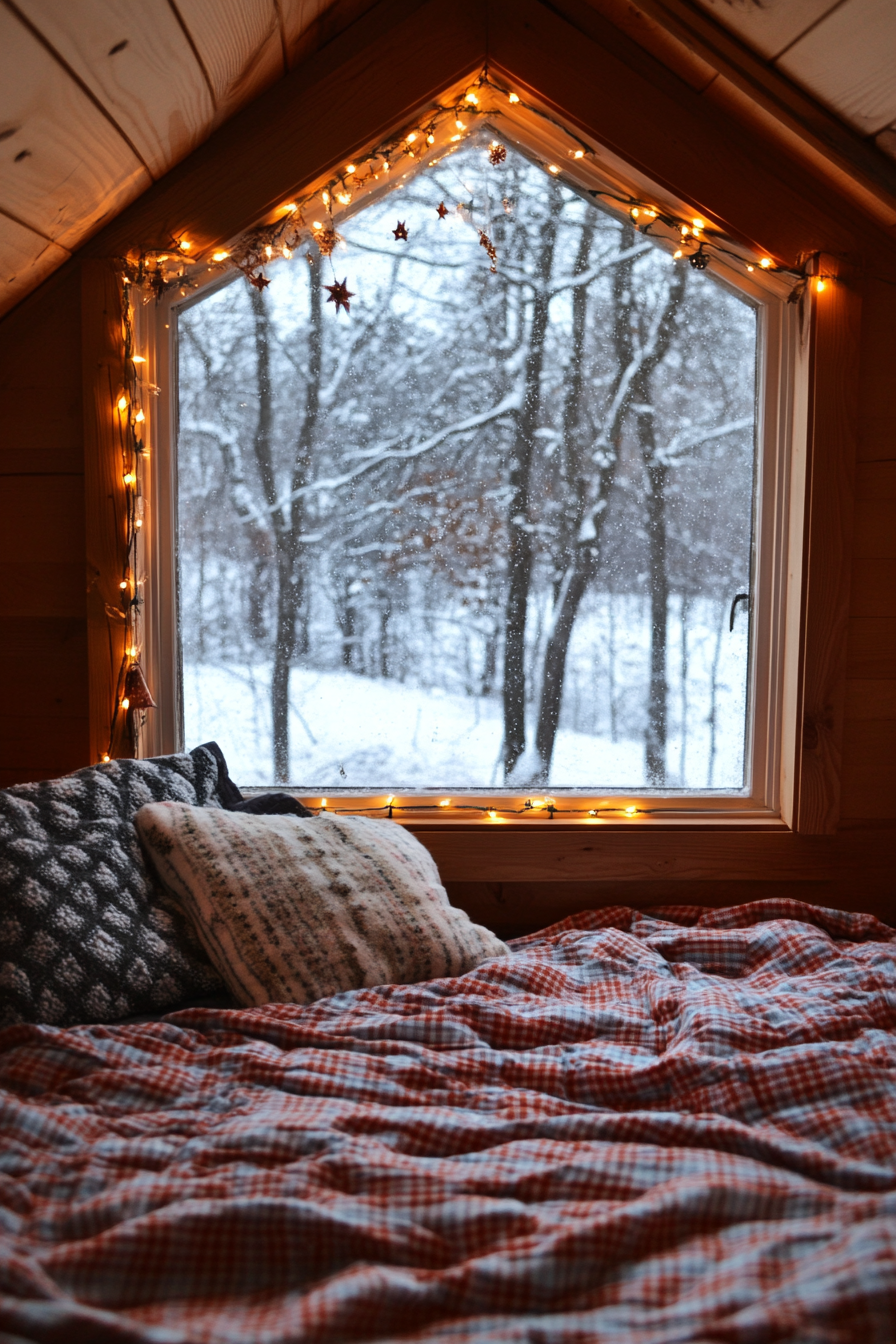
{"x":85,"y":936}
{"x":291,"y":910}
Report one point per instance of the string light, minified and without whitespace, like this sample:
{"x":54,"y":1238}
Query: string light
{"x":125,"y":703}
{"x":766,"y":263}
{"x":220,"y":256}
{"x":553,"y":168}
{"x":139,"y":418}
{"x":122,"y":404}
{"x":820,"y":286}
{"x":138,"y":359}
{"x":513,"y":97}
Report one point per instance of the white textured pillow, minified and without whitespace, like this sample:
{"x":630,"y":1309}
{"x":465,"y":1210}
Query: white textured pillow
{"x":290,"y":909}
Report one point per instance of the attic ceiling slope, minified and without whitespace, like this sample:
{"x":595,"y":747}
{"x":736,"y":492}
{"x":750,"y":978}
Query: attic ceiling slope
{"x":99,"y":99}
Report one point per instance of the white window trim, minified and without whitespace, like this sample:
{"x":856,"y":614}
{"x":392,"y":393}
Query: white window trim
{"x":782,"y":406}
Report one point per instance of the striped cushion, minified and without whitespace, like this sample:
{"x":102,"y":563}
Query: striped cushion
{"x":291,"y":909}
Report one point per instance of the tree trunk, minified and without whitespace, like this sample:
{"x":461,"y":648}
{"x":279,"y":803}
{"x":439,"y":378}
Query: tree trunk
{"x":519,"y":560}
{"x":588,"y":518}
{"x":288,"y":528}
{"x":633,"y":371}
{"x":657,"y":715}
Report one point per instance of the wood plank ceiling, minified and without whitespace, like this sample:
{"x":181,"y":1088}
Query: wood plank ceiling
{"x":99,"y":98}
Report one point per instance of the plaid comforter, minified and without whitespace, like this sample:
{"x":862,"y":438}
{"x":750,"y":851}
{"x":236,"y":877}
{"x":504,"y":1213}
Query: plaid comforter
{"x":642,"y":1128}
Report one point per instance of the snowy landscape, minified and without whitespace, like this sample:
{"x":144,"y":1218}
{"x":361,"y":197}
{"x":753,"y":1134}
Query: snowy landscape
{"x":483,"y":531}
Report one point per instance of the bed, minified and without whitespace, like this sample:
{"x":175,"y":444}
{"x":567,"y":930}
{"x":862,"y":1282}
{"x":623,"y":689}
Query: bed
{"x":672,"y":1125}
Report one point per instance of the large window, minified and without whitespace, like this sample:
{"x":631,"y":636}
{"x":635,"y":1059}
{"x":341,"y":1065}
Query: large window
{"x":486,"y":529}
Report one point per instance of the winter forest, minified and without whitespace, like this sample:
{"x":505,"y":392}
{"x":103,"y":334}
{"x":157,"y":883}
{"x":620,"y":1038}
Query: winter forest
{"x":484,"y":530}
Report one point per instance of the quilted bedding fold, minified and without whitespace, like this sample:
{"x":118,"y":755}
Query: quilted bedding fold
{"x":674,"y":1126}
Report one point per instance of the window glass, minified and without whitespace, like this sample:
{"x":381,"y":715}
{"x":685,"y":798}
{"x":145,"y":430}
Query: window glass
{"x":485,"y":529}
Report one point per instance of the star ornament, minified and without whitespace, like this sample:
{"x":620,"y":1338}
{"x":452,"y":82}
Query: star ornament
{"x":400,"y":231}
{"x":340,"y":294}
{"x":259,"y":281}
{"x":441,"y":210}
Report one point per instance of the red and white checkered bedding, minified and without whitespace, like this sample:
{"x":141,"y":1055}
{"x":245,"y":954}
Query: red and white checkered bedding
{"x":675,"y":1127}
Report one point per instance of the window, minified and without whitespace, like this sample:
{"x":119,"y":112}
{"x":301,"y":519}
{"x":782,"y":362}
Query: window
{"x":505,"y":525}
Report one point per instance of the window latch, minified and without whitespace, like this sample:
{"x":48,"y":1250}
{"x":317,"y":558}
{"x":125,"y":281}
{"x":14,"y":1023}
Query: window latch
{"x":740,"y":597}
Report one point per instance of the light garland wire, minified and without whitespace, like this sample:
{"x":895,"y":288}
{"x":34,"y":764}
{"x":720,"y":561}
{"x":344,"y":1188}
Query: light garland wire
{"x":129,"y":419}
{"x":547,"y":806}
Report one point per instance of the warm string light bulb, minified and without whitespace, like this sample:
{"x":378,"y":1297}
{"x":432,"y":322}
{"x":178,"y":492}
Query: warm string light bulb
{"x":105,"y":758}
{"x":513,"y":97}
{"x":140,"y":417}
{"x":220,"y":256}
{"x":123,"y":585}
{"x":130,"y":478}
{"x":553,"y":168}
{"x":323,"y":804}
{"x":631,"y":810}
{"x":579,"y":154}
{"x":765,"y":262}
{"x":125,"y":704}
{"x":491,"y":814}
{"x":820,"y":285}
{"x":122,"y":405}
{"x":137,"y":359}
{"x":445,"y":802}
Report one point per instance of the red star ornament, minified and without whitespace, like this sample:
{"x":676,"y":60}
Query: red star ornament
{"x":441,"y":211}
{"x":259,"y":281}
{"x":340,"y":294}
{"x":400,"y":231}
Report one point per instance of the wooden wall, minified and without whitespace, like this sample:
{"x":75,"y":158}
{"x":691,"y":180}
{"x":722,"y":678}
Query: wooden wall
{"x":44,"y":714}
{"x":511,"y":877}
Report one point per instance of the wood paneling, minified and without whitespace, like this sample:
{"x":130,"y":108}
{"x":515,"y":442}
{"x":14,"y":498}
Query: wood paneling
{"x":868,"y":699}
{"x":877,"y":388}
{"x":869,"y":769}
{"x":829,"y":506}
{"x":41,"y":519}
{"x":848,"y":60}
{"x":551,"y":852}
{"x":66,"y":167}
{"x":769,"y":27}
{"x":27,"y":259}
{"x":41,"y":417}
{"x":40,"y":747}
{"x":239,"y":45}
{"x":43,"y":652}
{"x":28,"y":587}
{"x":516,"y":908}
{"x":137,"y":61}
{"x":43,"y":670}
{"x":871,"y":649}
{"x":308,"y":121}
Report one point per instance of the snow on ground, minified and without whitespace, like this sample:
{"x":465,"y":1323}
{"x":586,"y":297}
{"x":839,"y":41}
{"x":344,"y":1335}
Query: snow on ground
{"x":378,"y":735}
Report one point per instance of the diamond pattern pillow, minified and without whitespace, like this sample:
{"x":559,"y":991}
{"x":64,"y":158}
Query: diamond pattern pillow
{"x":85,"y":933}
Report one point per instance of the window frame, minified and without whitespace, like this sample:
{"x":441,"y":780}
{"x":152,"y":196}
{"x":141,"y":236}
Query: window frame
{"x":783,"y":385}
